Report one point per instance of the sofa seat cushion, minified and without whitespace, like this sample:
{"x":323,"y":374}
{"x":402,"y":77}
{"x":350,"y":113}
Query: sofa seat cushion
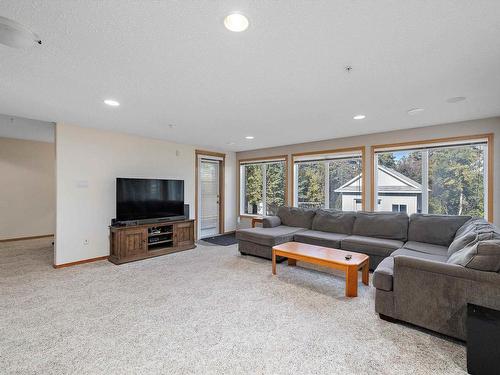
{"x":420,"y":255}
{"x":427,"y":248}
{"x":268,"y":236}
{"x":314,"y":237}
{"x":435,"y":229}
{"x":382,"y":277}
{"x":296,"y":217}
{"x":334,"y":221}
{"x":371,"y":245}
{"x":389,"y":225}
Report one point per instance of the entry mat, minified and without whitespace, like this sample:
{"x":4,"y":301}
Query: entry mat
{"x":222,"y":240}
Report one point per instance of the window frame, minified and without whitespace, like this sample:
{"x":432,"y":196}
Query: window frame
{"x":399,"y":205}
{"x":360,"y":149}
{"x":448,"y":141}
{"x":258,"y":160}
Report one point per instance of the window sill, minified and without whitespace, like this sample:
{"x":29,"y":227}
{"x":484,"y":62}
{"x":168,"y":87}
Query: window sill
{"x":250,"y":216}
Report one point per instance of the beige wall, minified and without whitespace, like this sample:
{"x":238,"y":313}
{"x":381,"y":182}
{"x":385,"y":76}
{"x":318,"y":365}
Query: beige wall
{"x":88,"y":162}
{"x":490,"y":125}
{"x":27,"y":188}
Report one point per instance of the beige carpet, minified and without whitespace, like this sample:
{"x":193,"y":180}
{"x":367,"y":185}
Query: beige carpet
{"x":204,"y":311}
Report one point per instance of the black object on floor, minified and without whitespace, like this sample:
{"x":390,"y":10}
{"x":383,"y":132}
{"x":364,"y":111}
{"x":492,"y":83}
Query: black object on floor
{"x":483,"y":340}
{"x":222,"y":240}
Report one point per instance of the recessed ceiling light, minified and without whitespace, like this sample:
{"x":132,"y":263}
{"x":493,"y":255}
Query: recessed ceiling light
{"x":111,"y":103}
{"x":249,"y":137}
{"x":415,"y":111}
{"x":456,"y":99}
{"x":359,"y":117}
{"x":236,"y":22}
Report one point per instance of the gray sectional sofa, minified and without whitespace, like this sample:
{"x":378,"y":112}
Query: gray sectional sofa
{"x":427,"y":267}
{"x":377,"y":234}
{"x":430,"y":285}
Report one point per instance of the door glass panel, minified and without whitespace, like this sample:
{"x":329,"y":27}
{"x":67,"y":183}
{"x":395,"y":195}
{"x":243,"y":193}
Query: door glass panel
{"x":209,"y":196}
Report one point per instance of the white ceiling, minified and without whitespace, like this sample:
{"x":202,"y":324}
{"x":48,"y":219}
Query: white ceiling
{"x":282,"y":80}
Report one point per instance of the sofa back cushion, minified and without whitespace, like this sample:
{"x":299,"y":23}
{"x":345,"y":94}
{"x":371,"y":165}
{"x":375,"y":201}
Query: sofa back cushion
{"x":481,"y":254}
{"x":476,"y":245}
{"x":466,"y":234}
{"x":296,"y":217}
{"x":334,"y":221}
{"x":390,"y":225}
{"x":435,"y":229}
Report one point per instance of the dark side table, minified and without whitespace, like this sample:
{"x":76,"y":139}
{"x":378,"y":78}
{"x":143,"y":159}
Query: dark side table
{"x":483,"y":340}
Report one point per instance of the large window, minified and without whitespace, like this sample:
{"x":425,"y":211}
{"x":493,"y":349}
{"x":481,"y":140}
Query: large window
{"x":262,"y":186}
{"x":331,"y":180}
{"x":438,"y":178}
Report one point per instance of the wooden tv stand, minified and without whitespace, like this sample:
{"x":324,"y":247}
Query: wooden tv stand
{"x":130,"y":243}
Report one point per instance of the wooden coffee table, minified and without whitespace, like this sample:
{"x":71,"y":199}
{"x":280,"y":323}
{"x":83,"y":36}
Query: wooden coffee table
{"x":325,"y":256}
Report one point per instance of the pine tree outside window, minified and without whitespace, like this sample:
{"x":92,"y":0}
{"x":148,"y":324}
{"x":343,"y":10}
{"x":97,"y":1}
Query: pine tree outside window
{"x":331,"y":181}
{"x":449,"y":178}
{"x":262,"y":187}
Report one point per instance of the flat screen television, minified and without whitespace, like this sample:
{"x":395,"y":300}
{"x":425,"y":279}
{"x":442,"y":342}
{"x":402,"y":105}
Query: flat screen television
{"x":141,"y":199}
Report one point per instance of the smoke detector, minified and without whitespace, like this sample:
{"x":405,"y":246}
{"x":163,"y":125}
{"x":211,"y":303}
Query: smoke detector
{"x":15,"y":35}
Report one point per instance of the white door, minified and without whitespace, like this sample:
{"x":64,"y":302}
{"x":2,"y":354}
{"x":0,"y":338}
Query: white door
{"x":209,"y":197}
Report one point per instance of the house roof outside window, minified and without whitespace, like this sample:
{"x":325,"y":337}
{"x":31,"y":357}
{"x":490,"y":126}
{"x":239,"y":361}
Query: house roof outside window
{"x":395,"y":182}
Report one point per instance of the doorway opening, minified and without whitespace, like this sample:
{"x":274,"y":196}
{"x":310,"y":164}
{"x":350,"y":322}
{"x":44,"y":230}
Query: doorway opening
{"x":27,"y":189}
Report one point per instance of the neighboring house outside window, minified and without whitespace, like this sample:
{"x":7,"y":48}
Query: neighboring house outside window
{"x":317,"y":178}
{"x":449,"y":178}
{"x":395,"y":189}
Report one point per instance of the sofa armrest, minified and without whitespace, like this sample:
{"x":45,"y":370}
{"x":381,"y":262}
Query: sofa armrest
{"x":271,"y":221}
{"x":435,"y":294}
{"x":446,"y":269}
